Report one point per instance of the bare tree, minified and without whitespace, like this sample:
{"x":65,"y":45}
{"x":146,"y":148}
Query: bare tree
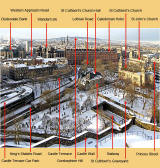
{"x":123,"y":84}
{"x":72,"y":105}
{"x":68,"y":92}
{"x":101,"y":67}
{"x":130,"y":94}
{"x":88,"y":103}
{"x":156,"y":109}
{"x":49,"y":97}
{"x":17,"y":133}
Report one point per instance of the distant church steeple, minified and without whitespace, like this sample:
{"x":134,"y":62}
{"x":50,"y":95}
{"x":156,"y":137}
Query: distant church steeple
{"x":67,"y":39}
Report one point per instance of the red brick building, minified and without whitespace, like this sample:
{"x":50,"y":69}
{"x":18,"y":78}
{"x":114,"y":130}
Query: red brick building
{"x":81,"y":55}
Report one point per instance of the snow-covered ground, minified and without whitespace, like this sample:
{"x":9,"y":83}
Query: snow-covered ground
{"x":50,"y":84}
{"x":143,"y":113}
{"x":48,"y":120}
{"x":136,"y":137}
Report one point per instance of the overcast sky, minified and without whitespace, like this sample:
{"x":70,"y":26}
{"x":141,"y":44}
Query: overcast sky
{"x":147,"y":34}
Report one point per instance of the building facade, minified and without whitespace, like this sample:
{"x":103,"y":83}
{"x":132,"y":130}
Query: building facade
{"x":81,"y":56}
{"x":136,"y":71}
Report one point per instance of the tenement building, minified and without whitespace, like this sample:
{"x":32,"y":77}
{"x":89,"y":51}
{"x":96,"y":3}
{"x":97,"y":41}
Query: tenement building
{"x":81,"y":56}
{"x":22,"y":69}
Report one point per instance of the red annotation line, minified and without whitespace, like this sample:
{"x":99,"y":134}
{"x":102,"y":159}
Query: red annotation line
{"x":112,"y":132}
{"x":154,"y":105}
{"x":125,"y":129}
{"x":4,"y":129}
{"x":95,"y":43}
{"x":10,"y":37}
{"x":30,"y":129}
{"x":59,"y":113}
{"x":125,"y":40}
{"x":46,"y":36}
{"x":109,"y":44}
{"x":97,"y":118}
{"x":31,"y":34}
{"x":85,"y":143}
{"x":139,"y":38}
{"x":87,"y":43}
{"x":75,"y":97}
